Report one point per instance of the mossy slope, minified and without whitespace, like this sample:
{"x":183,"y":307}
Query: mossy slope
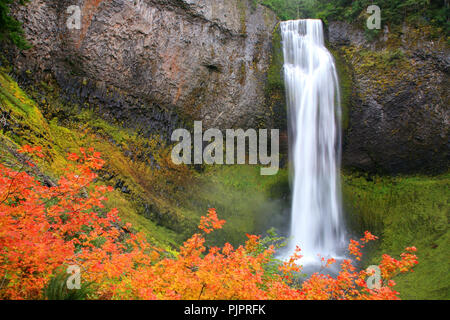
{"x":406,"y":211}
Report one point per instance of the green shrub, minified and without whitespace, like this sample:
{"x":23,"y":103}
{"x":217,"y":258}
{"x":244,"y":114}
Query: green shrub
{"x":10,"y":28}
{"x":393,"y":12}
{"x":56,"y":289}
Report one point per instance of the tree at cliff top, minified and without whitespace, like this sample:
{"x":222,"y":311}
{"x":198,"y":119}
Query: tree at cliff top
{"x":392,"y":11}
{"x":434,"y":12}
{"x":290,"y":9}
{"x":10,"y":28}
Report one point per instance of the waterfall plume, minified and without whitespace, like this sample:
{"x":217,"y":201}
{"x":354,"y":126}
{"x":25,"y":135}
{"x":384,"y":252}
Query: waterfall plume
{"x":312,"y":92}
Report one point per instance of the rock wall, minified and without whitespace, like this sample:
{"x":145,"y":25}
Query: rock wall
{"x":188,"y":59}
{"x":398,"y":102}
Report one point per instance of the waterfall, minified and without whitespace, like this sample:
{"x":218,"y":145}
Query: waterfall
{"x":312,"y":93}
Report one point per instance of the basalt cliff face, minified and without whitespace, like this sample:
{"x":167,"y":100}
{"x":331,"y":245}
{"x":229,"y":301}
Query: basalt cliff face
{"x":396,"y":98}
{"x":151,"y":63}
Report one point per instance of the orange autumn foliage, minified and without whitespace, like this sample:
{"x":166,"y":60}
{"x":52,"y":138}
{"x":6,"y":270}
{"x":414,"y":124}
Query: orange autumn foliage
{"x":45,"y":228}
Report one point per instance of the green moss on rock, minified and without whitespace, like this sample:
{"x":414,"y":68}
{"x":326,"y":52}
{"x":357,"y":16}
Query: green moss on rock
{"x":405,"y":211}
{"x":346,"y":86}
{"x":275,"y":79}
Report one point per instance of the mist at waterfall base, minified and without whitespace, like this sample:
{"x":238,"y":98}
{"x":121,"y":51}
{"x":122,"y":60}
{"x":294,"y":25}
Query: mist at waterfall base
{"x":312,"y":92}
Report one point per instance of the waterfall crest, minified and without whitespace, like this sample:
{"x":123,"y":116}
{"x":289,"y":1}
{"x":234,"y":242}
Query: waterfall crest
{"x":314,"y":109}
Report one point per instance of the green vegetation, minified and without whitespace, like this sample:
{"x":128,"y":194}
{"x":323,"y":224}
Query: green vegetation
{"x":405,"y":211}
{"x":10,"y":28}
{"x":290,"y":9}
{"x":345,"y":84}
{"x":393,"y":12}
{"x":274,"y":89}
{"x":249,"y":202}
{"x":24,"y":124}
{"x":56,"y":288}
{"x":384,"y":69}
{"x":275,"y":79}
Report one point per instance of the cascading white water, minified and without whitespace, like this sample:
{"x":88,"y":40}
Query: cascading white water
{"x":314,"y":119}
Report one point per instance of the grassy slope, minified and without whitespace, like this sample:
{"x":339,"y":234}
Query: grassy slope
{"x":406,"y":211}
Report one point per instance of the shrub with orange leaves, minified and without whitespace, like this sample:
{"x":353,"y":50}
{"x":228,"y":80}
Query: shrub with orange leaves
{"x":42,"y":228}
{"x":45,"y":228}
{"x":350,"y":284}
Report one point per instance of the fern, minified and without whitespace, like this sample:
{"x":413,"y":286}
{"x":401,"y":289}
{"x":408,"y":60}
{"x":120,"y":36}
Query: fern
{"x":57,"y":289}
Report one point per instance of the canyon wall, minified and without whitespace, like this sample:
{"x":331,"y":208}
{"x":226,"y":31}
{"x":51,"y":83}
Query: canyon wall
{"x":150,"y":63}
{"x":396,"y":98}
